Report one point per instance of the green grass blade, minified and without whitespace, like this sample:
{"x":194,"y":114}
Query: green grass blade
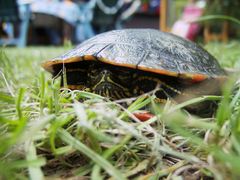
{"x":108,"y":153}
{"x":35,"y":172}
{"x":195,"y":101}
{"x":229,"y":159}
{"x":18,"y":102}
{"x":70,"y":140}
{"x":218,"y":17}
{"x":42,"y":91}
{"x":142,"y":101}
{"x":89,"y":95}
{"x":25,"y":163}
{"x":6,"y":98}
{"x":224,"y":110}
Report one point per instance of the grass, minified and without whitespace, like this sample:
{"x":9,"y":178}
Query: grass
{"x":48,"y":133}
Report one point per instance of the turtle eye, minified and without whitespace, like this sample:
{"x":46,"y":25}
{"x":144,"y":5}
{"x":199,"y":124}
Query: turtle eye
{"x":93,"y":73}
{"x":94,"y":70}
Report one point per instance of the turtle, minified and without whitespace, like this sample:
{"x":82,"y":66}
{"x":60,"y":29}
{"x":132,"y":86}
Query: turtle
{"x":130,"y":62}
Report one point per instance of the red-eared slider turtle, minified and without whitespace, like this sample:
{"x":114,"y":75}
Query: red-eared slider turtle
{"x":126,"y":63}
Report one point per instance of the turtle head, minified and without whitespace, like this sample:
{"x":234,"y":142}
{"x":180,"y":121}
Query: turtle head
{"x":110,"y":81}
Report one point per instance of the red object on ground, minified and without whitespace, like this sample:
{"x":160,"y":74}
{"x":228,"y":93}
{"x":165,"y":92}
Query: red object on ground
{"x":143,"y":116}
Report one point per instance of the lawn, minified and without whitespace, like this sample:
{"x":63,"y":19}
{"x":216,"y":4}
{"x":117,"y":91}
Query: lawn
{"x":50,"y":133}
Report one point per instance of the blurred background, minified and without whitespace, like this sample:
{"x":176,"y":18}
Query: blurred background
{"x":59,"y":22}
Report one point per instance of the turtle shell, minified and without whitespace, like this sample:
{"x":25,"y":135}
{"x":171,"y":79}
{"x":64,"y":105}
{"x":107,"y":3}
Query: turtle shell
{"x":147,"y":50}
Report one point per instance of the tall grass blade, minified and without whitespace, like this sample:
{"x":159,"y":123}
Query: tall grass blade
{"x":35,"y":172}
{"x":70,"y":140}
{"x":218,"y":17}
{"x":108,"y":153}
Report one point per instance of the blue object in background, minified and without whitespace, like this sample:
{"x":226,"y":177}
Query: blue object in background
{"x":14,"y":13}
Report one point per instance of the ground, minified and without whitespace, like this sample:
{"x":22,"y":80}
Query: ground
{"x":50,"y":133}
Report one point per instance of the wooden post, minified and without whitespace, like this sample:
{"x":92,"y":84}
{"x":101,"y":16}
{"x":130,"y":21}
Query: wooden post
{"x":163,"y":15}
{"x":211,"y":36}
